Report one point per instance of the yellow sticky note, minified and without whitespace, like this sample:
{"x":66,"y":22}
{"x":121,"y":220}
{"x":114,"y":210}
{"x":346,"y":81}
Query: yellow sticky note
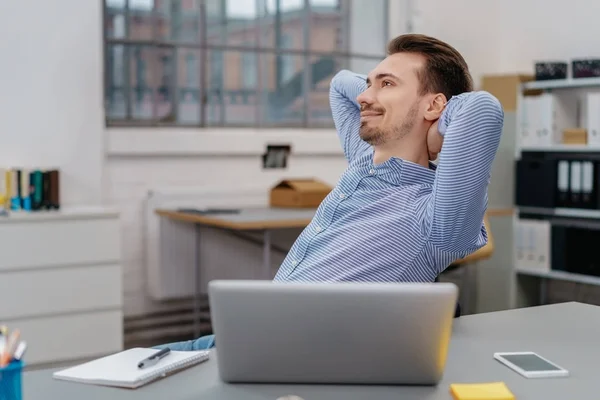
{"x":481,"y":391}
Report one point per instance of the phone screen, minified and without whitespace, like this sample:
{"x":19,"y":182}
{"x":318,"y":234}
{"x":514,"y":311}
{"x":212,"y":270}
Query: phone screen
{"x":530,"y":362}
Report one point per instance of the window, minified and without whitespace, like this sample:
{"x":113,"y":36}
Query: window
{"x":234,"y":62}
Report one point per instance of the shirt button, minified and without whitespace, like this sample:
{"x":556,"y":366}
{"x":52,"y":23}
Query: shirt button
{"x":342,"y":196}
{"x":371,"y":172}
{"x":318,"y":229}
{"x":294,"y":263}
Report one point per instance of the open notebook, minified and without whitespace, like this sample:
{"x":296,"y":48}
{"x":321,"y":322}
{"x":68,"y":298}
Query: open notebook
{"x":121,"y":369}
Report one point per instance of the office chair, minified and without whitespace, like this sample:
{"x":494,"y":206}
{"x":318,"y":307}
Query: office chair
{"x":457,"y":311}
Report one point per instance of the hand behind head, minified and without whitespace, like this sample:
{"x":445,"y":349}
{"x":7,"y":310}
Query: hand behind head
{"x":434,"y":140}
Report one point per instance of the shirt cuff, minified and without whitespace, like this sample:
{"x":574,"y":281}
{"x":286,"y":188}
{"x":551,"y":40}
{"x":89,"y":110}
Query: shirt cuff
{"x":449,"y":111}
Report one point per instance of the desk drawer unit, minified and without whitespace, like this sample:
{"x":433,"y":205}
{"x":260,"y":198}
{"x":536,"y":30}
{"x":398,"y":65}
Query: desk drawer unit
{"x":61,"y":282}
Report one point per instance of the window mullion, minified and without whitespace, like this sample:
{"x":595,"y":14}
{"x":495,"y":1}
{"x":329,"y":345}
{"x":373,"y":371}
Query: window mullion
{"x":127,"y":66}
{"x":260,"y":59}
{"x":221,"y":62}
{"x":153,"y":75}
{"x":203,"y":70}
{"x":307,"y":78}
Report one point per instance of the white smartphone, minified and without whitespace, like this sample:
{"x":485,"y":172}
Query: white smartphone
{"x":531,"y":365}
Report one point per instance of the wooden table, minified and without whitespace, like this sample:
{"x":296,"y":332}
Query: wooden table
{"x":264,"y":219}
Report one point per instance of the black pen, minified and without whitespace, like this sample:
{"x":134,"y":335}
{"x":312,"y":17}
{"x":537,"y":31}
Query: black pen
{"x":154,"y":358}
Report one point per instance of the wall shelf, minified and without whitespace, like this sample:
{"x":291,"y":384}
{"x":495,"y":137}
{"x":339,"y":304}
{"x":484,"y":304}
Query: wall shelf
{"x":560,"y":275}
{"x":72,"y":212}
{"x":562,"y":84}
{"x":562,"y":104}
{"x":559,"y":147}
{"x":561,"y":212}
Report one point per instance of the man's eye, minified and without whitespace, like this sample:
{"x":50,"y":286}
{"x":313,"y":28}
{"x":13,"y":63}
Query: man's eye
{"x":387,"y":83}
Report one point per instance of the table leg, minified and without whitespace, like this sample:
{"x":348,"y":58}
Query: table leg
{"x":197,"y":284}
{"x":267,"y":254}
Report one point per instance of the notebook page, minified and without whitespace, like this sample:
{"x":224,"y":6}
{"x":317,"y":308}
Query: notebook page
{"x":121,"y":369}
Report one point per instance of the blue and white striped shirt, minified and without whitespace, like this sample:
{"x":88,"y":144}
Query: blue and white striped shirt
{"x":399,"y":221}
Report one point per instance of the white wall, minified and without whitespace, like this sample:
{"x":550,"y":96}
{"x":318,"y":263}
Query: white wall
{"x":509,"y":36}
{"x":51,"y":103}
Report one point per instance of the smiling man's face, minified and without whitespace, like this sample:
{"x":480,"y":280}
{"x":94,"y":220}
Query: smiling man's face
{"x":391,"y":105}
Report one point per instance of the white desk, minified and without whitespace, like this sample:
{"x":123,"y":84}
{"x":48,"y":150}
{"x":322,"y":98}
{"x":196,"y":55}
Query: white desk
{"x":566,"y":334}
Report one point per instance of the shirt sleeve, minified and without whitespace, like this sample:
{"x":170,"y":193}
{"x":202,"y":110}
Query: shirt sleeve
{"x":471,"y":125}
{"x":345,"y":87}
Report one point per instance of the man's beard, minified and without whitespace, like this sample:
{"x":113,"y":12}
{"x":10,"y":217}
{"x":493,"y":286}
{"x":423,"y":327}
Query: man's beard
{"x":377,"y":136}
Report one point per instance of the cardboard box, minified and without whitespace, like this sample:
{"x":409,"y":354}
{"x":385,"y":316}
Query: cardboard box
{"x":299,"y":193}
{"x":575,"y":136}
{"x":506,"y":87}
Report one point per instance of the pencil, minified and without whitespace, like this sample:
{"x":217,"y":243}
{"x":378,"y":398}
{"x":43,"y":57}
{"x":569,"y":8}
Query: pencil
{"x":11,"y":346}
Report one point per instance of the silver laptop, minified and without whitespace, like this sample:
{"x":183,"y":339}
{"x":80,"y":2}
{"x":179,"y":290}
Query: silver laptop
{"x":363,"y":333}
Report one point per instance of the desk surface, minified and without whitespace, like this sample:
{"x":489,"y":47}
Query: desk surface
{"x":565,"y":333}
{"x":248,"y":218}
{"x":263,"y":217}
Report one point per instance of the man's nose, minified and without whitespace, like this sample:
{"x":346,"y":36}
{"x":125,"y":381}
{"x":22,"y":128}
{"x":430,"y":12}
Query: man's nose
{"x":365,"y":97}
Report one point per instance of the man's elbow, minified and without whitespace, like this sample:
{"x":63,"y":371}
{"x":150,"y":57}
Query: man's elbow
{"x":341,"y":74}
{"x":338,"y":80}
{"x":460,"y":239}
{"x":488,"y":103}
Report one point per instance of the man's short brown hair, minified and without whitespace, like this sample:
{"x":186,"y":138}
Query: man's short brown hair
{"x":445,"y":70}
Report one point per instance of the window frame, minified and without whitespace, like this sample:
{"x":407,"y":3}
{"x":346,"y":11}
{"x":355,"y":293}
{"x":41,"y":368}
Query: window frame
{"x":204,"y":85}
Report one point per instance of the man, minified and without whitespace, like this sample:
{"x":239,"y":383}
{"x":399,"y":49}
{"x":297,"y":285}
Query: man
{"x":394,"y":216}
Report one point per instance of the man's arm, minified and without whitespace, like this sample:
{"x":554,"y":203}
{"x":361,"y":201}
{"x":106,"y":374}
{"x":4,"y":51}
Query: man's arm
{"x":345,"y":87}
{"x":471,"y":125}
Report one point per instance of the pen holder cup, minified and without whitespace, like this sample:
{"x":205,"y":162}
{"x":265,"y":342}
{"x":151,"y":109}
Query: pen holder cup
{"x":11,"y":382}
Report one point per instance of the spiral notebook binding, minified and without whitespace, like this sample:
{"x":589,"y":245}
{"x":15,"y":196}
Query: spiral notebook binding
{"x":163,"y":372}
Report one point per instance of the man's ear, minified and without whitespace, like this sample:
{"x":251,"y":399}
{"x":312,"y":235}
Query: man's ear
{"x":435,"y":107}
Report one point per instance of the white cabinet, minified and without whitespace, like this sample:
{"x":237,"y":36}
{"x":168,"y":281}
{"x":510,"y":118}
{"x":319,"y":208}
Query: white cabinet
{"x":61,"y":282}
{"x":532,"y":239}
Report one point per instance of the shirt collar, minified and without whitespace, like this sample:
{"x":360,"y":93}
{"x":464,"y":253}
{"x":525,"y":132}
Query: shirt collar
{"x":397,"y":171}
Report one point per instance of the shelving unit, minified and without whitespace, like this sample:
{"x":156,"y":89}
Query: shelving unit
{"x":583,"y":85}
